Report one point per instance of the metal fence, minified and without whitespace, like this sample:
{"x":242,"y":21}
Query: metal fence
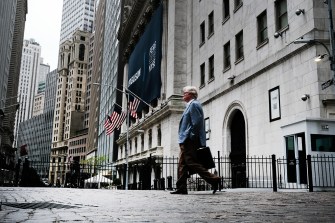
{"x":162,"y":173}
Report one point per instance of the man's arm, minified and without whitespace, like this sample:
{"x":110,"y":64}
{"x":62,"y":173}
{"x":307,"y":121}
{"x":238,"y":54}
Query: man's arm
{"x":196,"y":116}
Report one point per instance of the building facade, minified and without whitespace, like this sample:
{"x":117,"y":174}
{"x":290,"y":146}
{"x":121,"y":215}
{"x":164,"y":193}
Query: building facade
{"x":77,"y":14}
{"x":39,"y":93}
{"x":261,"y":93}
{"x":36,"y":132}
{"x":30,"y":69}
{"x":70,"y":96}
{"x":13,"y":21}
{"x":94,"y":75}
{"x":109,"y":78}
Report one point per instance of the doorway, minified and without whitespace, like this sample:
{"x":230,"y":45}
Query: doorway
{"x":296,"y":158}
{"x":238,"y":151}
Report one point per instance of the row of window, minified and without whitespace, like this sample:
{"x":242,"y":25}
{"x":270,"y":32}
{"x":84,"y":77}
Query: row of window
{"x":77,"y":150}
{"x":78,"y":142}
{"x":134,"y":142}
{"x":262,"y":35}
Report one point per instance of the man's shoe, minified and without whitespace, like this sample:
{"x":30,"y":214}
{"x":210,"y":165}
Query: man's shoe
{"x":179,"y":192}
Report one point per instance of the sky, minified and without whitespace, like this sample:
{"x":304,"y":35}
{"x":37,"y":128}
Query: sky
{"x":43,"y":24}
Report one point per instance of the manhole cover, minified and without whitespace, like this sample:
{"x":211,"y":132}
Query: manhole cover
{"x":38,"y":205}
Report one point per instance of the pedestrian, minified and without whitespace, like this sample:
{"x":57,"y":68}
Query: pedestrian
{"x":191,"y":137}
{"x":17,"y":172}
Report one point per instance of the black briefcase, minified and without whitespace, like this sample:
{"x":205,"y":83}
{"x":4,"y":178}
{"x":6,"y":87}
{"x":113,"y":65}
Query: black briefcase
{"x":205,"y":157}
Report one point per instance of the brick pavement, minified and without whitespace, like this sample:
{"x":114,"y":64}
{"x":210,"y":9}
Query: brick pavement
{"x":234,"y":205}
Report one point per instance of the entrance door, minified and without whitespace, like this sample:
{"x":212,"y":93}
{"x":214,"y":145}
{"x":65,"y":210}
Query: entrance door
{"x":296,"y":158}
{"x":238,"y":151}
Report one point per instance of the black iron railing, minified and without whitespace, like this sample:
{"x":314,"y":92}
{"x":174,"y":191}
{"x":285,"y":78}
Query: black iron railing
{"x":162,"y":173}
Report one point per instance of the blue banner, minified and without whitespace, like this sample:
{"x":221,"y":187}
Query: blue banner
{"x":144,"y":74}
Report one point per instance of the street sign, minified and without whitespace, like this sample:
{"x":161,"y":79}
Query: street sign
{"x":327,"y":84}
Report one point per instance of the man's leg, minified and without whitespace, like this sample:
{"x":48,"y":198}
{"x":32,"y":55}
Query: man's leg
{"x":193,"y":165}
{"x":182,"y":174}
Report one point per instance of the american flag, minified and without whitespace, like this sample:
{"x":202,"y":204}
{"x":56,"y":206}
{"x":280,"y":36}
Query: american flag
{"x":133,"y":105}
{"x":121,"y":119}
{"x":111,"y":122}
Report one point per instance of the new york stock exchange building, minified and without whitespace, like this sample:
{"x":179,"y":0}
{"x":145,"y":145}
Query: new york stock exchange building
{"x":263,"y":95}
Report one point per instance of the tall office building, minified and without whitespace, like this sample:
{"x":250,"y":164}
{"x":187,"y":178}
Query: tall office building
{"x":44,"y":69}
{"x":93,"y":76}
{"x":39,"y":94}
{"x":77,"y":14}
{"x":13,"y":18}
{"x":36,"y":132}
{"x":70,"y":97}
{"x":76,"y":29}
{"x":109,"y":77}
{"x":30,"y":68}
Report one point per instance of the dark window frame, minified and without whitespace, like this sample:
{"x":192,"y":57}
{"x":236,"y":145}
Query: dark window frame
{"x":262,"y":28}
{"x":281,"y":14}
{"x":321,"y":138}
{"x":202,"y":74}
{"x":226,"y":56}
{"x":225,"y":9}
{"x":237,"y":4}
{"x":239,"y":51}
{"x":211,"y":67}
{"x":211,"y":24}
{"x":202,"y":33}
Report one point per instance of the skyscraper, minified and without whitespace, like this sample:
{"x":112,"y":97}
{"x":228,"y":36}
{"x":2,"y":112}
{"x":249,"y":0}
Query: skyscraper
{"x":36,"y":132}
{"x":30,"y":64}
{"x":76,"y":28}
{"x":77,"y":14}
{"x":109,"y":76}
{"x":93,"y":76}
{"x":13,"y":18}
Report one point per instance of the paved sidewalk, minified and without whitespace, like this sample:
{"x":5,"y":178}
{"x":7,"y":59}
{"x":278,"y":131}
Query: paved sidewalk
{"x":89,"y":205}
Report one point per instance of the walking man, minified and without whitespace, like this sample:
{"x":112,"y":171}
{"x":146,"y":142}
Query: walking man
{"x":191,"y":137}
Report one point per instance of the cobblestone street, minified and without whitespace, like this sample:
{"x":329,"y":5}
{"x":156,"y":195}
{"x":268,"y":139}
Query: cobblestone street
{"x":234,"y":205}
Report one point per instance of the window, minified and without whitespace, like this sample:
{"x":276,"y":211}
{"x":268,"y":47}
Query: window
{"x":202,"y":33}
{"x":226,"y":54}
{"x":211,"y":67}
{"x":150,"y":138}
{"x":262,"y":28}
{"x":142,"y":142}
{"x":81,"y":52}
{"x":225,"y":9}
{"x":237,"y":4}
{"x":135,"y":141}
{"x":239,"y":46}
{"x":281,"y":14}
{"x":159,"y":136}
{"x":323,"y":143}
{"x":202,"y":74}
{"x":211,"y":23}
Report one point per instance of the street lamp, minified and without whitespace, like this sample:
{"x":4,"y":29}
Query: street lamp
{"x":331,"y":53}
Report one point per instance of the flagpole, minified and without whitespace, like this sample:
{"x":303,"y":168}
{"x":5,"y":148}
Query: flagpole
{"x":127,"y":140}
{"x":127,"y":143}
{"x":134,"y":95}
